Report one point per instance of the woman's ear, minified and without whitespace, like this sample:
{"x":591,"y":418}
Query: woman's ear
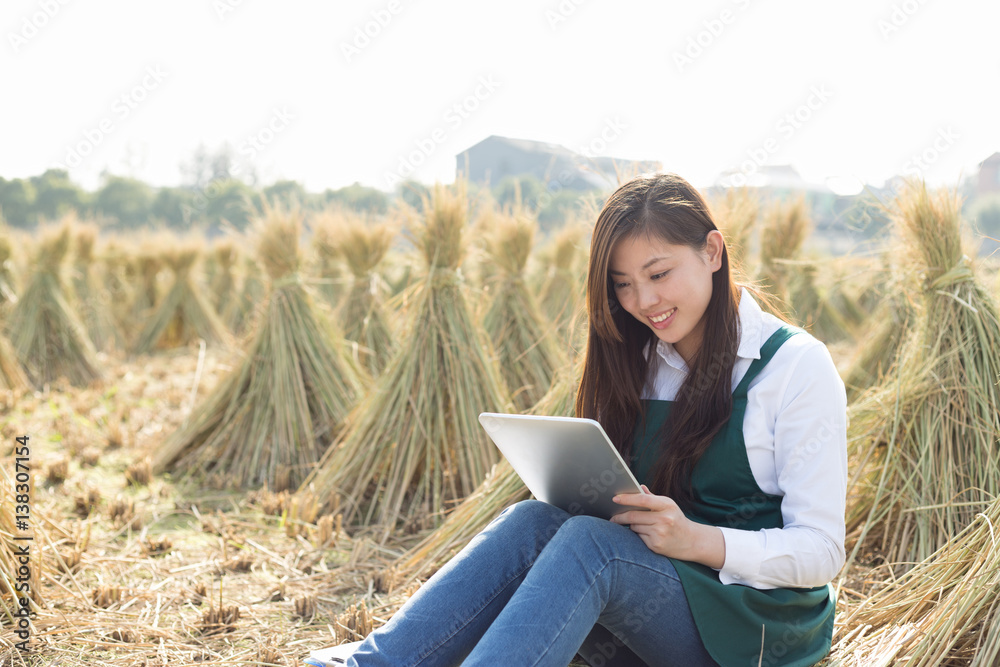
{"x":714,"y":245}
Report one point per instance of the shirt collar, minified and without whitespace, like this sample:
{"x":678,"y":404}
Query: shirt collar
{"x":751,"y":328}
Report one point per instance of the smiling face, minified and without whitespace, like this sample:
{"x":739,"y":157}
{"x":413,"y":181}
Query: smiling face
{"x":667,"y":287}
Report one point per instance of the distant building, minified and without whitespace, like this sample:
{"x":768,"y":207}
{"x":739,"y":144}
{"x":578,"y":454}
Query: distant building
{"x":989,"y":175}
{"x":557,"y":167}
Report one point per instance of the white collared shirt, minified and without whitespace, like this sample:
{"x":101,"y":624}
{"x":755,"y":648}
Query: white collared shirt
{"x":795,"y":428}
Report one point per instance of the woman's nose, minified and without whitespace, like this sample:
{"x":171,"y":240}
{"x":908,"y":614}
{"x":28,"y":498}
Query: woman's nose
{"x":647,"y":296}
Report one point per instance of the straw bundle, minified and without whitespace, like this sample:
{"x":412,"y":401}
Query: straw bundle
{"x":239,"y":314}
{"x":562,"y":287}
{"x":736,"y":212}
{"x":415,"y":443}
{"x":501,"y":488}
{"x":12,"y":375}
{"x":223,"y":284}
{"x":118,"y":287}
{"x":812,"y":307}
{"x":881,"y":345}
{"x":363,"y":248}
{"x":326,"y":226}
{"x":785,"y":228}
{"x":8,"y":295}
{"x":185,"y":314}
{"x":927,"y":439}
{"x":265,"y":422}
{"x":48,"y":337}
{"x":527,"y":353}
{"x":143,"y":272}
{"x":945,"y":611}
{"x":93,"y":303}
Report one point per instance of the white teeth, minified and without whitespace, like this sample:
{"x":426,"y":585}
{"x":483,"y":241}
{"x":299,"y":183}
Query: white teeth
{"x":660,"y":318}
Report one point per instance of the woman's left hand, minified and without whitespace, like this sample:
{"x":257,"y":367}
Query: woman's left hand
{"x":666,"y":531}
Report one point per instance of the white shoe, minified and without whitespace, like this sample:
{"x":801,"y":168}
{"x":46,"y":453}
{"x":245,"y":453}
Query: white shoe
{"x":332,"y":657}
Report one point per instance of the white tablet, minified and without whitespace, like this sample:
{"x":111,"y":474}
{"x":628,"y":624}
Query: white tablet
{"x":564,"y":461}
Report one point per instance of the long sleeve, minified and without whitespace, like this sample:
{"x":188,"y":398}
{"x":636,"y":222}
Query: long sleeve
{"x":797,"y":446}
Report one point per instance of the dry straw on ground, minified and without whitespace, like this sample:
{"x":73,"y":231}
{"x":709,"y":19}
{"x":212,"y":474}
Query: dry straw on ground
{"x":185,"y":314}
{"x":415,"y":443}
{"x":924,"y":443}
{"x":269,"y":420}
{"x":526,"y":348}
{"x":945,"y":611}
{"x":47,"y":335}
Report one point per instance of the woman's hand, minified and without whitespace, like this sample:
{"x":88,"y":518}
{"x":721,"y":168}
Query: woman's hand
{"x":666,"y":531}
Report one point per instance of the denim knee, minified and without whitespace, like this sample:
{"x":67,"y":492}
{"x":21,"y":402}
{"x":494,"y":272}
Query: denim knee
{"x":534,"y":512}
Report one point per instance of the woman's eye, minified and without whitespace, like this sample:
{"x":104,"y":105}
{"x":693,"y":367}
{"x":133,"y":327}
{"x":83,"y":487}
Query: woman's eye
{"x":657,"y":276}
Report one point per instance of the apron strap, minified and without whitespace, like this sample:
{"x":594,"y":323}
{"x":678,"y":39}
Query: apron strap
{"x":766,"y":352}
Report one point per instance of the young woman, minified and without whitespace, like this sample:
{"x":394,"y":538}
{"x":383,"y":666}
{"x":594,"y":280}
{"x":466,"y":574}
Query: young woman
{"x":735,"y":423}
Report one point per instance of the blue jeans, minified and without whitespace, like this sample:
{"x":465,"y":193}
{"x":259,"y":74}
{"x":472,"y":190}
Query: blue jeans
{"x":534,"y":588}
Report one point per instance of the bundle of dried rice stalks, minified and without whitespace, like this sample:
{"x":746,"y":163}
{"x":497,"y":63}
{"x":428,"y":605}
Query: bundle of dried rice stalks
{"x":327,"y":226}
{"x":944,"y":611}
{"x":501,"y":488}
{"x":115,"y":260}
{"x":561,"y":294}
{"x":415,"y":443}
{"x":880,"y":347}
{"x":736,"y":212}
{"x":8,"y":295}
{"x":12,"y":375}
{"x":241,"y":312}
{"x":185,"y":314}
{"x":363,"y":248}
{"x":47,"y":335}
{"x":267,"y":421}
{"x":528,"y":354}
{"x":93,"y":302}
{"x":785,"y":228}
{"x":142,"y":272}
{"x":811,"y":306}
{"x":223,"y":285}
{"x":926,"y":440}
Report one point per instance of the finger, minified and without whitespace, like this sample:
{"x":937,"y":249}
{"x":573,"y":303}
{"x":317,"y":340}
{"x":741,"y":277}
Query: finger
{"x":641,"y":500}
{"x":645,"y":488}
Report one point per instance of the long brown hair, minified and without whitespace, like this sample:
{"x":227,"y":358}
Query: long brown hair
{"x":616,"y":369}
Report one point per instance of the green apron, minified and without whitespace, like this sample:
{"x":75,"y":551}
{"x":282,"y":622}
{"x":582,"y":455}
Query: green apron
{"x":797,"y":622}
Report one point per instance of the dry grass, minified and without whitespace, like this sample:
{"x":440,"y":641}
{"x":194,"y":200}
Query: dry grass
{"x":137,"y":582}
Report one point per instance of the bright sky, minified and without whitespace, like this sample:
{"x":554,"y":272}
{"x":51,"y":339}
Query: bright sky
{"x":329,"y":93}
